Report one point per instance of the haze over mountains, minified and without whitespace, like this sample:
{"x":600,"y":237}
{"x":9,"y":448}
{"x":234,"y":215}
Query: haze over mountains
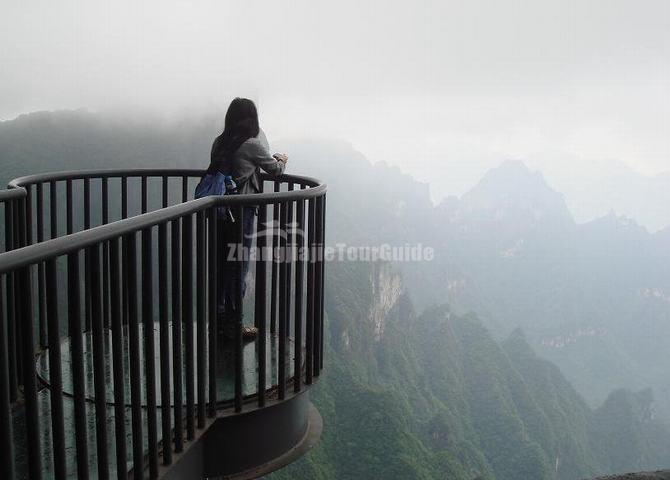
{"x":594,"y":188}
{"x":533,"y":346}
{"x":591,"y":297}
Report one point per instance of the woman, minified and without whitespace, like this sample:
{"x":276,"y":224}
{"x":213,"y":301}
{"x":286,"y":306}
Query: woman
{"x":241,"y":151}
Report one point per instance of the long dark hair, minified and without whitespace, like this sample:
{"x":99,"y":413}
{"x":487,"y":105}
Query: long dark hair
{"x":241,"y":125}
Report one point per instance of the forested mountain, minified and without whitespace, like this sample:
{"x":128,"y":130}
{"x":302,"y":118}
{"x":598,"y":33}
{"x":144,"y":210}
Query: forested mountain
{"x":593,"y":298}
{"x":436,"y":396}
{"x":443,"y":368}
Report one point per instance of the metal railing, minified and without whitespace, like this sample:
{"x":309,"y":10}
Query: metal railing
{"x":135,"y":255}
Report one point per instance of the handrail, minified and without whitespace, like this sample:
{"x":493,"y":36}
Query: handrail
{"x":101,"y":172}
{"x":137,"y":172}
{"x":156,"y":242}
{"x":56,"y":247}
{"x":14,"y":193}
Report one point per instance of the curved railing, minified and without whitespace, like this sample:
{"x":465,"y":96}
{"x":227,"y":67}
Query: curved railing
{"x":98,"y":261}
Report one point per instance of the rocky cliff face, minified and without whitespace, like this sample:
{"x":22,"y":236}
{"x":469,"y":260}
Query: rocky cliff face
{"x":387,"y":288}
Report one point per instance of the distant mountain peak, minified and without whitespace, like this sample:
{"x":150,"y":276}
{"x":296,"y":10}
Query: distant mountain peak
{"x":512,"y":190}
{"x":512,"y":177}
{"x":515,"y":165}
{"x":50,"y":116}
{"x":615,"y":221}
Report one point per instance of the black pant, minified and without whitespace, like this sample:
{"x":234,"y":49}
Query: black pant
{"x":233,"y":264}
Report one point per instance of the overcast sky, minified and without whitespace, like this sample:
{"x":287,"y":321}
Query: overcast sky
{"x":445,"y":86}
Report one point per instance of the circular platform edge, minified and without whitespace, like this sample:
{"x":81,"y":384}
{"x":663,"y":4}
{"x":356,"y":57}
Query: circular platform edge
{"x":311,"y":438}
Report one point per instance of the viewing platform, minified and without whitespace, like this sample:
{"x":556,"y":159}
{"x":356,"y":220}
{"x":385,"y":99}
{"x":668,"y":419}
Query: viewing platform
{"x":113,"y":362}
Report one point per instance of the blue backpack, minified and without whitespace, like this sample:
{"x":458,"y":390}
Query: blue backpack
{"x":217,"y":184}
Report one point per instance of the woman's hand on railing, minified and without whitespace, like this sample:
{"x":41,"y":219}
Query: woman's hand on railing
{"x":281,"y":157}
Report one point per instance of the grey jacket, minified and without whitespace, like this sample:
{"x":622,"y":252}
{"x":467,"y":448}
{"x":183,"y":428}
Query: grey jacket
{"x":252,"y":157}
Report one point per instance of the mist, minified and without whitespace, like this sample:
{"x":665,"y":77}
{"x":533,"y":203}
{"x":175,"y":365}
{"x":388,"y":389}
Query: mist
{"x":443,"y":90}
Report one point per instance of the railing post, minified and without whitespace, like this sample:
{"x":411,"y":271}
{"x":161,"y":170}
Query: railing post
{"x":77,"y":364}
{"x":290,"y":244}
{"x":149,"y":345}
{"x":130,"y":274}
{"x":239,"y":307}
{"x":309,"y":324}
{"x":99,"y":367}
{"x":117,"y":359}
{"x":124,"y":196}
{"x":201,"y":258}
{"x":275,"y":264}
{"x":213,"y":302}
{"x":318,"y":291}
{"x":282,"y":304}
{"x":323,"y":281}
{"x":21,"y":294}
{"x":260,"y":315}
{"x":55,"y":373}
{"x":299,"y":279}
{"x":164,"y":190}
{"x":87,"y":263}
{"x":28,"y":216}
{"x":164,"y":347}
{"x":6,"y":437}
{"x":69,"y":214}
{"x":41,"y":299}
{"x":187,"y":320}
{"x":29,"y":380}
{"x":184,"y":188}
{"x":177,"y":365}
{"x":144,"y":194}
{"x":53,"y":209}
{"x":105,"y":254}
{"x":12,"y":350}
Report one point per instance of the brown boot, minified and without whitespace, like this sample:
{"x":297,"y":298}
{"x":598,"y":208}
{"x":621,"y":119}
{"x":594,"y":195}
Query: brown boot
{"x":249,"y":334}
